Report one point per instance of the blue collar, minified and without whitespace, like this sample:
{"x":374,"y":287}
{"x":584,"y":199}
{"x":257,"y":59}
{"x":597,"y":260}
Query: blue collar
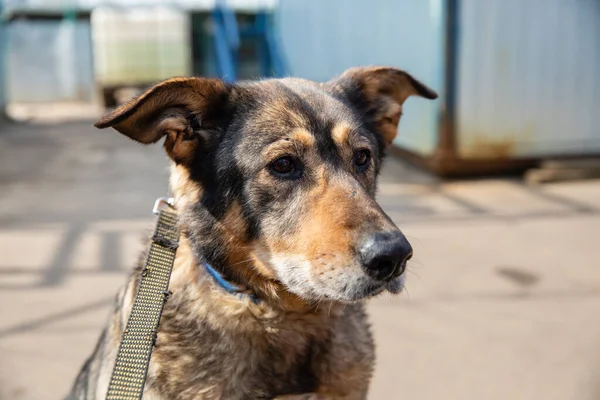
{"x":225,"y":284}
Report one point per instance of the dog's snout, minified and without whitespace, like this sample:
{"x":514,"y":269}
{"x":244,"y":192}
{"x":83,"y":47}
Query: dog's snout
{"x":384,"y":255}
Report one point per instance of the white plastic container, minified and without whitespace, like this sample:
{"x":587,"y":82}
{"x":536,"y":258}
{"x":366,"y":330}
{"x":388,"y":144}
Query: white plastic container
{"x":139,"y":46}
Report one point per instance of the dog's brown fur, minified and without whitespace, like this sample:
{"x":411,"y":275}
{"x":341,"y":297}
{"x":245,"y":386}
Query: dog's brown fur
{"x":289,"y":239}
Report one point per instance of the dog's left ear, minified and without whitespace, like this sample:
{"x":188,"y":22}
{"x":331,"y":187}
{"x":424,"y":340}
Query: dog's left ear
{"x":182,"y":109}
{"x":379,"y":92}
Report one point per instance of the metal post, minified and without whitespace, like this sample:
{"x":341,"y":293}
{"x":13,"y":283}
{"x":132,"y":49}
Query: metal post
{"x":3,"y":52}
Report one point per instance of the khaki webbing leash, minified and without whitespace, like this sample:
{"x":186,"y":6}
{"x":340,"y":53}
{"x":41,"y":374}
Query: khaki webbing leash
{"x":129,"y":375}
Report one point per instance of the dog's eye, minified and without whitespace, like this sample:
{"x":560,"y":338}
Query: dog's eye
{"x":362,"y":158}
{"x":284,"y":166}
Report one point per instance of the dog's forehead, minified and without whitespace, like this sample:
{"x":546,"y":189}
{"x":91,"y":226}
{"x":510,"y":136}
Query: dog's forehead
{"x":314,"y":94}
{"x":280,"y":105}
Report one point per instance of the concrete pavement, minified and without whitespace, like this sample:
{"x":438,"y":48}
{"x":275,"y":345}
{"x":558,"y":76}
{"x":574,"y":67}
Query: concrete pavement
{"x":503,"y":297}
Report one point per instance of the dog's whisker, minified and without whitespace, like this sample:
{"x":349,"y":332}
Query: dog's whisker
{"x":415,"y":262}
{"x":413,"y":273}
{"x":407,"y":293}
{"x":414,"y":238}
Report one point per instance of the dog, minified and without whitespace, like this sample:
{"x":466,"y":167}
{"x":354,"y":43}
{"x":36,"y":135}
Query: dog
{"x":274,"y":184}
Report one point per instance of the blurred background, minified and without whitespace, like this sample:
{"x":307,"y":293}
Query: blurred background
{"x":495,"y":184}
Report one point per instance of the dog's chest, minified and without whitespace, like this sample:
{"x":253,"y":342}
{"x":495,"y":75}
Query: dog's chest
{"x":208,"y":363}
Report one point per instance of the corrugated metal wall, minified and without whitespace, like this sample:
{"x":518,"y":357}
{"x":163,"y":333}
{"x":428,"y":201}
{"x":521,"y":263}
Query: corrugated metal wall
{"x":3,"y":41}
{"x":528,"y":78}
{"x":323,"y":38}
{"x":49,"y":61}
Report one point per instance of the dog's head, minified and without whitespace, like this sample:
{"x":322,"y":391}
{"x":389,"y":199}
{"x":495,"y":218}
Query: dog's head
{"x":275,"y":180}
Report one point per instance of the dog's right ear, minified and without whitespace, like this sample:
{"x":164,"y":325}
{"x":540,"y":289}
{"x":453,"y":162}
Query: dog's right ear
{"x":179,"y":108}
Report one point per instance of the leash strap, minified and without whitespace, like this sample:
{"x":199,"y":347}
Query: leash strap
{"x":129,"y":375}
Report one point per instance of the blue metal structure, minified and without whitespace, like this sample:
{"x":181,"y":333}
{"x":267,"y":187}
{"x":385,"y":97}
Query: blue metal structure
{"x":226,"y":41}
{"x":228,"y":36}
{"x":270,"y":52}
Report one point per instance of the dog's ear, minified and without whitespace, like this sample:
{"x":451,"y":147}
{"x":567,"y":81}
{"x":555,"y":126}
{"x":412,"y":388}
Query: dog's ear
{"x":179,"y":108}
{"x":379,"y":93}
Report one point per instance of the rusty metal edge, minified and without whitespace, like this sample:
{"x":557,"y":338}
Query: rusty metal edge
{"x":445,"y":164}
{"x":448,"y":165}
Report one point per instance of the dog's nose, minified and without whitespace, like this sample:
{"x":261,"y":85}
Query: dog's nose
{"x":384,"y":255}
